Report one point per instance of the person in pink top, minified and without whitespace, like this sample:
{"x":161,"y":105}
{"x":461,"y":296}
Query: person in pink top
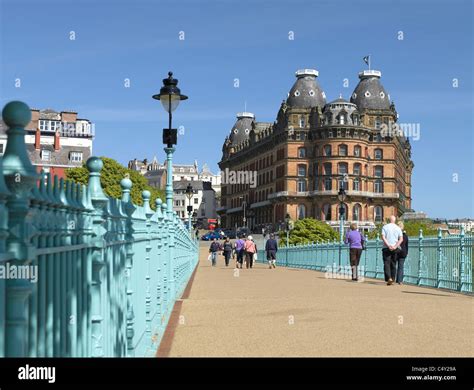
{"x":250,"y":249}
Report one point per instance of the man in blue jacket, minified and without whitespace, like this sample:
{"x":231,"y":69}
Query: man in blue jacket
{"x":271,"y":247}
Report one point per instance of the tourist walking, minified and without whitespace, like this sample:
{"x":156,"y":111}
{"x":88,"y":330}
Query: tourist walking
{"x":402,"y":255}
{"x":355,"y":239}
{"x":271,"y":248}
{"x":392,"y":237}
{"x":227,"y":248}
{"x":213,"y":250}
{"x":239,"y":252}
{"x":250,"y":250}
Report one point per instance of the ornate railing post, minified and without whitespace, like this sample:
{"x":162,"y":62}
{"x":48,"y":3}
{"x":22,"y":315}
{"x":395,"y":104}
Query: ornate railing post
{"x":166,"y":260}
{"x":148,"y":214}
{"x":20,"y":177}
{"x":126,"y":185}
{"x":99,"y":202}
{"x":463,"y":273}
{"x":439,"y":262}
{"x":377,"y":243}
{"x":4,"y":193}
{"x":171,"y":253}
{"x":159,"y":266}
{"x":420,"y":257}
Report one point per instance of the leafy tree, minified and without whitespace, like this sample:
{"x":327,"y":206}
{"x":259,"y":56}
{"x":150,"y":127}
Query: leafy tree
{"x":111,"y":175}
{"x":412,"y":229}
{"x":309,"y":230}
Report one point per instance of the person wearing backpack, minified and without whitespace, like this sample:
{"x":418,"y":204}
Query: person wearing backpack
{"x":250,"y":250}
{"x":227,"y":248}
{"x":356,"y":242}
{"x":402,"y":255}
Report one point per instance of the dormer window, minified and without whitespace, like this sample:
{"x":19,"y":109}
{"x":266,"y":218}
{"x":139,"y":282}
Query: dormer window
{"x":311,"y":93}
{"x":367,"y":94}
{"x":302,"y":122}
{"x":382,"y":95}
{"x":75,"y":157}
{"x":354,"y":96}
{"x":297,"y":93}
{"x":45,"y":155}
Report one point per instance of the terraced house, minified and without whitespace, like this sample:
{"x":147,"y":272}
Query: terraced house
{"x":314,"y":148}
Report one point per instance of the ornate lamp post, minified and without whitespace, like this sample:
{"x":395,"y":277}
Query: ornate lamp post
{"x":170,"y":97}
{"x":342,"y":197}
{"x":189,"y":195}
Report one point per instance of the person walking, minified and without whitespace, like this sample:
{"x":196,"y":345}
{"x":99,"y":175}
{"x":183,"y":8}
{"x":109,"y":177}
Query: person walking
{"x":402,"y":255}
{"x":392,"y":237}
{"x":239,"y":252}
{"x":271,"y":247}
{"x":250,"y":250}
{"x":227,"y":248}
{"x":213,"y":250}
{"x":356,"y":242}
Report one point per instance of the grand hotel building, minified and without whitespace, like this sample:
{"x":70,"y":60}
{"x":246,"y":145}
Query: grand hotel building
{"x":311,"y":150}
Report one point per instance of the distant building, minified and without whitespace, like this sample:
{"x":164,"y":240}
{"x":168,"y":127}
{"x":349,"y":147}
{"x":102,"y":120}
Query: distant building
{"x":467,"y":224}
{"x":156,"y":173}
{"x":203,"y":200}
{"x":54,"y":140}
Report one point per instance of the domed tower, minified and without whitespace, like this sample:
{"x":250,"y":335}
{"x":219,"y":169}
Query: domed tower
{"x":341,"y":112}
{"x":372,"y":100}
{"x":239,"y":133}
{"x":304,"y":103}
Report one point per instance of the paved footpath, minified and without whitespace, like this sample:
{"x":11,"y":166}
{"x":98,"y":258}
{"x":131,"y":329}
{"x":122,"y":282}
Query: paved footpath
{"x":292,"y":312}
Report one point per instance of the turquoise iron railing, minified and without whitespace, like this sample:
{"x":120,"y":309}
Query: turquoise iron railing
{"x":440,"y":262}
{"x":82,"y":274}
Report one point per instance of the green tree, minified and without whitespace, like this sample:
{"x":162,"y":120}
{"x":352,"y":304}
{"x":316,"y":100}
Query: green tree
{"x":111,"y":175}
{"x":309,"y":230}
{"x":412,"y":229}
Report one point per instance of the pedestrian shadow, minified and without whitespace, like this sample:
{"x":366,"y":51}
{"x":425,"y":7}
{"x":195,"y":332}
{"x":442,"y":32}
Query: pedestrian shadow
{"x":427,"y":293}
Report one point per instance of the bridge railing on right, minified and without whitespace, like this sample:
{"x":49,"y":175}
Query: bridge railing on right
{"x":438,"y":262}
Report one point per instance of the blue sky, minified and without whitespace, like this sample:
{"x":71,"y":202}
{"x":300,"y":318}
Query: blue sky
{"x":248,"y":40}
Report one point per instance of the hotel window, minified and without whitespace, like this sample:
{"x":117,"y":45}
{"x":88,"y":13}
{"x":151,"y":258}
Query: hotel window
{"x":378,"y":186}
{"x":54,"y":125}
{"x":196,"y":200}
{"x":356,"y":212}
{"x":327,"y":212}
{"x":342,"y":169}
{"x":301,"y":211}
{"x":341,"y":119}
{"x":357,"y":169}
{"x":301,"y":186}
{"x":355,"y":119}
{"x":357,"y":151}
{"x":75,"y":157}
{"x":301,"y":152}
{"x":378,"y":171}
{"x":378,"y":214}
{"x":302,"y":122}
{"x":356,"y":184}
{"x":378,"y":154}
{"x":302,"y":170}
{"x":342,"y":150}
{"x":327,"y":150}
{"x":378,"y":122}
{"x":45,"y":155}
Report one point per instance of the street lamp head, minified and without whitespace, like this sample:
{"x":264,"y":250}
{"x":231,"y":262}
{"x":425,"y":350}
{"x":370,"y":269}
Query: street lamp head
{"x":170,"y":95}
{"x":341,"y":195}
{"x":189,"y":191}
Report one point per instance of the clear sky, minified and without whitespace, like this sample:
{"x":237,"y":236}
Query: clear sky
{"x":248,"y":41}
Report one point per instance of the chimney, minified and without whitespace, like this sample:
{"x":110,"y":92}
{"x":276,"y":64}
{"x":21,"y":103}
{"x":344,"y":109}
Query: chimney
{"x":37,"y":139}
{"x":56,"y":141}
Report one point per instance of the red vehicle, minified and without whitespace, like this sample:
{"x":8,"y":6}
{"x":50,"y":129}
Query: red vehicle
{"x":211,"y":224}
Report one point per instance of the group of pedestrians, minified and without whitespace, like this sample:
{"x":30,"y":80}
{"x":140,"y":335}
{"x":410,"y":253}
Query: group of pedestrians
{"x":394,"y":251}
{"x":244,"y":248}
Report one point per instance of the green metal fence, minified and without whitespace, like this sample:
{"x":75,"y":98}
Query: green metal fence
{"x":82,"y":274}
{"x":439,"y":262}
